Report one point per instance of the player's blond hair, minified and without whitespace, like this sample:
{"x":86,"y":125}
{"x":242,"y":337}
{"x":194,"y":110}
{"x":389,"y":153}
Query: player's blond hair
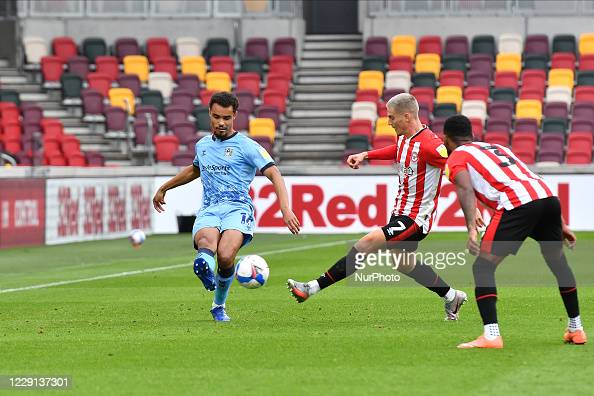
{"x":404,"y":103}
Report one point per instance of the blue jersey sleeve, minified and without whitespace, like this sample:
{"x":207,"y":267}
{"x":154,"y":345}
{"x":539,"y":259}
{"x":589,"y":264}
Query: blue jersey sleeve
{"x":196,"y":163}
{"x":257,"y":156}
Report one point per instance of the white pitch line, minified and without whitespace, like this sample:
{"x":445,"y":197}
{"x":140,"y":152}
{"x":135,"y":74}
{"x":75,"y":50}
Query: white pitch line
{"x":158,"y":269}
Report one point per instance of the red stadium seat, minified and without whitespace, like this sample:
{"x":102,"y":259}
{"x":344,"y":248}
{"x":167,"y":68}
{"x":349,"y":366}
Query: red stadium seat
{"x":523,"y":142}
{"x":282,"y":64}
{"x":55,"y":159}
{"x":584,"y":94}
{"x":563,"y":60}
{"x":205,"y":95}
{"x":506,"y":79}
{"x":222,"y":64}
{"x":166,"y":146}
{"x":477,"y":128}
{"x":166,"y":65}
{"x":76,"y":159}
{"x":531,"y":93}
{"x":279,"y":83}
{"x":157,"y":47}
{"x":579,"y":148}
{"x":100,"y":82}
{"x":424,"y":95}
{"x":70,"y":144}
{"x":64,"y":48}
{"x":108,"y":65}
{"x":586,"y":62}
{"x":476,"y":93}
{"x":52,"y":68}
{"x":430,"y":45}
{"x":527,"y":156}
{"x":361,"y":127}
{"x":366,"y":95}
{"x":52,"y":128}
{"x":451,"y":78}
{"x":12,"y":144}
{"x":51,"y":145}
{"x":501,"y":138}
{"x":400,"y":62}
{"x":274,"y":98}
{"x":249,"y":82}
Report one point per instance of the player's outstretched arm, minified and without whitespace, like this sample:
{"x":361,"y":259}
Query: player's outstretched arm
{"x":186,"y":175}
{"x":468,"y":203}
{"x":274,"y":175}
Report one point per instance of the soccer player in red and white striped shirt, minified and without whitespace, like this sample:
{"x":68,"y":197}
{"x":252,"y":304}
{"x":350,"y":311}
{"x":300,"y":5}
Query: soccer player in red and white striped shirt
{"x":524,"y":207}
{"x":420,"y":157}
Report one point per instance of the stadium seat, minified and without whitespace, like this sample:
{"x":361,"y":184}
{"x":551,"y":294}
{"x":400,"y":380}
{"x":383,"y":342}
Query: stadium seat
{"x":537,"y":44}
{"x":56,"y":159}
{"x":64,"y":48}
{"x":357,"y":143}
{"x":423,"y":80}
{"x":580,"y":110}
{"x":190,"y":83}
{"x":510,"y":43}
{"x":579,"y":148}
{"x":107,"y":65}
{"x":185,"y":131}
{"x":252,"y":65}
{"x":364,"y":111}
{"x":116,"y":119}
{"x":476,"y":93}
{"x":145,"y":111}
{"x":475,"y":109}
{"x":174,"y":114}
{"x":559,"y":94}
{"x":222,"y":64}
{"x":92,"y":102}
{"x":257,"y":47}
{"x":52,"y":68}
{"x":70,"y":144}
{"x":501,"y":138}
{"x":265,"y":143}
{"x":397,"y":79}
{"x":551,"y":148}
{"x":376,"y":46}
{"x":526,"y":125}
{"x":482,"y":63}
{"x":428,"y":63}
{"x":162,"y":82}
{"x":382,"y":127}
{"x":286,"y":46}
{"x":561,"y":77}
{"x":262,"y":127}
{"x":218,"y":81}
{"x":216,"y":47}
{"x":585,"y":77}
{"x":526,"y":156}
{"x":366,"y":95}
{"x":157,"y":47}
{"x":401,"y":63}
{"x":424,"y":95}
{"x":274,"y":98}
{"x":444,"y":110}
{"x":281,"y":64}
{"x":586,"y":62}
{"x":531,"y":93}
{"x":94,"y":158}
{"x":166,"y":65}
{"x":456,"y":45}
{"x":529,"y":108}
{"x":477,"y":78}
{"x":563,"y":60}
{"x":130,"y":81}
{"x":534,"y":78}
{"x":582,"y":124}
{"x":92,"y":47}
{"x":555,"y":110}
{"x":374,"y":63}
{"x":79,"y":65}
{"x":10,"y":95}
{"x":183,"y":158}
{"x":371,"y":79}
{"x":71,"y":86}
{"x":125,"y":46}
{"x":503,"y":94}
{"x":141,"y":131}
{"x":35,"y":48}
{"x":509,"y":62}
{"x":34,"y":113}
{"x":360,"y":127}
{"x":278,"y":83}
{"x":246,"y":101}
{"x":187,"y":46}
{"x":152,"y":98}
{"x":122,"y":97}
{"x":437,"y":125}
{"x":76,"y":159}
{"x":454,"y":62}
{"x":205,"y":95}
{"x":507,"y":79}
{"x":383,"y":141}
{"x":536,"y":62}
{"x":404,"y":45}
{"x":165,"y":147}
{"x":391,"y":92}
{"x":524,"y":142}
{"x":248,"y":82}
{"x":137,"y":64}
{"x":194,"y":65}
{"x":452,"y":78}
{"x":484,"y":44}
{"x":477,"y":128}
{"x":202,"y":117}
{"x":498,"y":125}
{"x":430,"y":45}
{"x":564,"y":43}
{"x":100,"y":82}
{"x":450,"y":95}
{"x":554,"y":125}
{"x":268,"y":111}
{"x":586,"y":44}
{"x":183,"y":98}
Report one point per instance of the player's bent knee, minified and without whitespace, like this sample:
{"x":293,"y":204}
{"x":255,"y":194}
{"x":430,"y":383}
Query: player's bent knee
{"x":371,"y":242}
{"x":226,"y":258}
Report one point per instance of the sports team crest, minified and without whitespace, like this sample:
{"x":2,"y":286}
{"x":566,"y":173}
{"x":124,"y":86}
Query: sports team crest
{"x":228,"y":151}
{"x":414,"y":157}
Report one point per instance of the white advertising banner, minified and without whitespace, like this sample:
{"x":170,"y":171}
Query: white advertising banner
{"x":343,"y":204}
{"x":81,"y":209}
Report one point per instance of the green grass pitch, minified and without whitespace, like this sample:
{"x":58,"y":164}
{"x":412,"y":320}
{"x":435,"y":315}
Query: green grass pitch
{"x":152,"y":333}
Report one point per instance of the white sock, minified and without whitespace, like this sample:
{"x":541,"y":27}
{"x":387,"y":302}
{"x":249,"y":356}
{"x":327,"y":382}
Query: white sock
{"x":213,"y":306}
{"x":575,"y":324}
{"x":450,"y":295}
{"x":314,"y":287}
{"x":491,"y":331}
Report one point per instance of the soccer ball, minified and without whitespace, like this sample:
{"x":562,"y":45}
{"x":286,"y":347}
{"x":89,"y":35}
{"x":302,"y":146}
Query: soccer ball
{"x":137,"y":238}
{"x":252,"y":271}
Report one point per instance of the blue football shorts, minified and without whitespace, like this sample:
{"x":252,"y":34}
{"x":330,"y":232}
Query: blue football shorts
{"x":226,"y":216}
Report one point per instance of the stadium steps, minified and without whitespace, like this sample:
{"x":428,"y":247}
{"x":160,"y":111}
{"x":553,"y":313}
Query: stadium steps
{"x":324,"y":89}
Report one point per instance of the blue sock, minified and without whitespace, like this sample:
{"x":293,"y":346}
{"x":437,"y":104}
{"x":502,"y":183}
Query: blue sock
{"x":223,"y":279}
{"x":208,"y":256}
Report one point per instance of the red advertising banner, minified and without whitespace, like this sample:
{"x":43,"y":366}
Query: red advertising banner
{"x":22,"y":212}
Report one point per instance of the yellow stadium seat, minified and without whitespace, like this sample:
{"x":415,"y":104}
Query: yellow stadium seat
{"x":262,"y":127}
{"x":383,"y":128}
{"x":195,"y":65}
{"x":561,"y":78}
{"x":122,"y":97}
{"x":371,"y":79}
{"x":450,"y":95}
{"x":137,"y":64}
{"x":404,"y":46}
{"x":529,"y":108}
{"x":428,"y":63}
{"x":586,"y":45}
{"x":509,"y":62}
{"x":218,"y":81}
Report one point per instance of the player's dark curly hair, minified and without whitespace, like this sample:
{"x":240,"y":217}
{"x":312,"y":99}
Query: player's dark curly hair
{"x":224,"y":99}
{"x":458,"y":128}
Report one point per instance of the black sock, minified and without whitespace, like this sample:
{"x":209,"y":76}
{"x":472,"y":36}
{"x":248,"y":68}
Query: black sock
{"x":344,"y":267}
{"x":485,"y":290}
{"x":557,"y":262}
{"x":425,"y":276}
{"x":225,"y":272}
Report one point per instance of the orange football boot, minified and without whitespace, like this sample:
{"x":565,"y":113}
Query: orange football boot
{"x":575,"y":337}
{"x":482,"y":342}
